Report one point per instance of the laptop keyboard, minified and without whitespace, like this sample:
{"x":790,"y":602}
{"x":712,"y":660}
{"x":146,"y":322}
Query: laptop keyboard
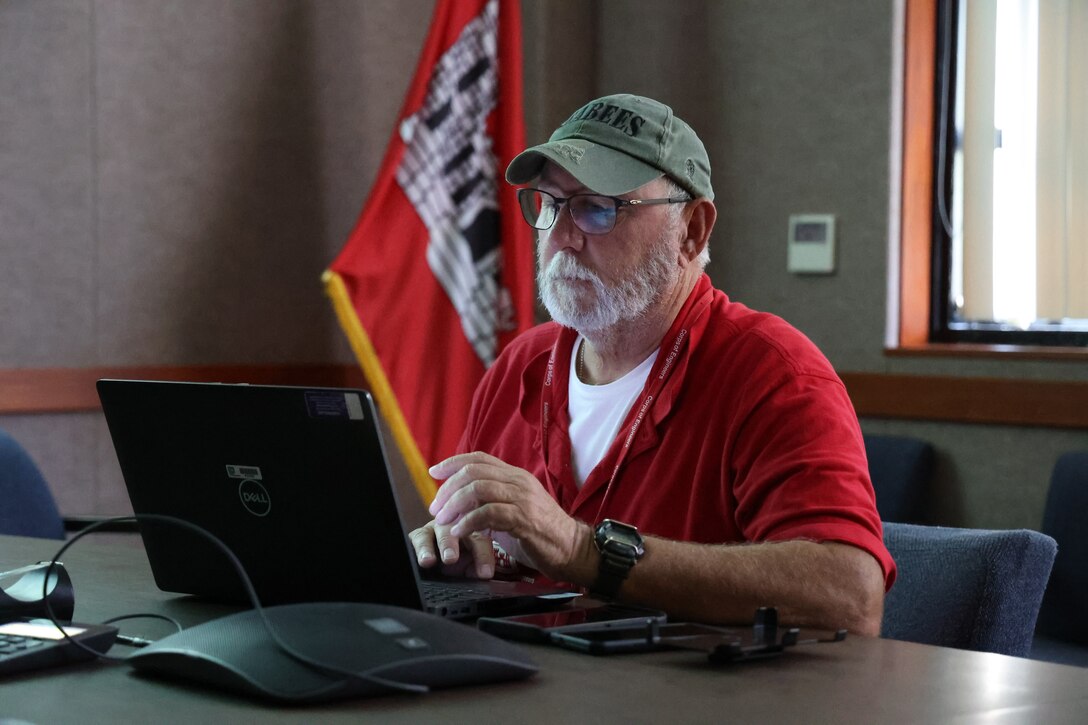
{"x":438,"y":592}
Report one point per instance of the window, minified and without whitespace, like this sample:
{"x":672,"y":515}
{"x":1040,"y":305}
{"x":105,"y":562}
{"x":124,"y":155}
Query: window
{"x":1010,"y":173}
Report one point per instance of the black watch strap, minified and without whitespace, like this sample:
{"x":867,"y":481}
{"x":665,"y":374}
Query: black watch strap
{"x":613,"y":570}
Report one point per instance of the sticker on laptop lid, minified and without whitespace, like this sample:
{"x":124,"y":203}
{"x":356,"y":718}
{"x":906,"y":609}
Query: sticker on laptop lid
{"x":334,"y":404}
{"x":250,"y":472}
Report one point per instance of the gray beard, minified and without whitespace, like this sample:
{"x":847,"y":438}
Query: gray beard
{"x":608,"y":306}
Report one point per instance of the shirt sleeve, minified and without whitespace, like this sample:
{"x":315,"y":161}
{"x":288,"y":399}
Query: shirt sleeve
{"x":801,"y":471}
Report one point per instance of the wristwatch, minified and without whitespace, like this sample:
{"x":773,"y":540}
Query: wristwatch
{"x":620,"y":546}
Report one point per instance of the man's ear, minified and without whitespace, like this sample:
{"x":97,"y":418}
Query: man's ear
{"x":701,"y":215}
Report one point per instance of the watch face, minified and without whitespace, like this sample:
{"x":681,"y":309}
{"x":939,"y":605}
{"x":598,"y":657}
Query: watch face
{"x":619,"y":537}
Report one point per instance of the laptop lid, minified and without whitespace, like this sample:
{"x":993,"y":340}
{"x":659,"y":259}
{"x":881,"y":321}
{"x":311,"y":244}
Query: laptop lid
{"x":295,"y":481}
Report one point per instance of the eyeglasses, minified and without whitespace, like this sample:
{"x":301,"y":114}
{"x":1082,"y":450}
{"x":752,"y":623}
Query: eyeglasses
{"x":592,"y":213}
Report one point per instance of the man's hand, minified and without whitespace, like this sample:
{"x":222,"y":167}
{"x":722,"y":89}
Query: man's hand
{"x":475,"y":556}
{"x":482,"y":493}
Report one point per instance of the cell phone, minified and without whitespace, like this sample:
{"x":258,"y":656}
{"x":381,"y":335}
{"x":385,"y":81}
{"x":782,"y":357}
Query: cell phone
{"x":643,"y":638}
{"x":538,"y":627}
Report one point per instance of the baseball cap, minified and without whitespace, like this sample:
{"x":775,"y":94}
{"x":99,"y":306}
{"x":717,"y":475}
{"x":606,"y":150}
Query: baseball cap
{"x":617,"y":143}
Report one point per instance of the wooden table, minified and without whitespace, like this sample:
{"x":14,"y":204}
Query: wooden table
{"x":860,"y":680}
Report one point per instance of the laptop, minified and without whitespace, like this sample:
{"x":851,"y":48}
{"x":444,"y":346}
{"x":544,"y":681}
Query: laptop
{"x":296,"y":482}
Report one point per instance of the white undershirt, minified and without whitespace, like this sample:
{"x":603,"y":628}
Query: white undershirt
{"x":598,"y":411}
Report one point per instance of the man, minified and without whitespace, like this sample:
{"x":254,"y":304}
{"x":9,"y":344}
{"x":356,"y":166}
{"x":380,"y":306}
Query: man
{"x":657,"y":442}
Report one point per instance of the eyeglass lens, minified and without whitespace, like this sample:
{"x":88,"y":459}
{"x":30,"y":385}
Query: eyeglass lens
{"x":591,"y":213}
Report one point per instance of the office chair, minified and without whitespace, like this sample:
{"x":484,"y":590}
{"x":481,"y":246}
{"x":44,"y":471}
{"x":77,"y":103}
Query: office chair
{"x":27,"y":507}
{"x":900,"y":468}
{"x":971,"y":589}
{"x":1061,"y":634}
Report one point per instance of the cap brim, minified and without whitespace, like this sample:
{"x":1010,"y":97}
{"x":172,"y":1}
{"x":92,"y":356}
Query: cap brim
{"x":596,"y":167}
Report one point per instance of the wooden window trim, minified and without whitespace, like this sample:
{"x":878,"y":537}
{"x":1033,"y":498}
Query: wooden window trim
{"x":1061,"y":404}
{"x":72,"y":390}
{"x":915,"y":229}
{"x":916,"y":209}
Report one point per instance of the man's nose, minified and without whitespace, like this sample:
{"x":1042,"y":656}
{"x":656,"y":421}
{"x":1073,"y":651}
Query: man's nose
{"x":565,"y":234}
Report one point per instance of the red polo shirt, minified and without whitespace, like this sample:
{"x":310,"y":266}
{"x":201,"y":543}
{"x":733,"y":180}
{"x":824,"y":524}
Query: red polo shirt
{"x":743,"y":433}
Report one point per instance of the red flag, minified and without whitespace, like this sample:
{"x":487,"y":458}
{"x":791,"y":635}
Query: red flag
{"x":437,"y":275}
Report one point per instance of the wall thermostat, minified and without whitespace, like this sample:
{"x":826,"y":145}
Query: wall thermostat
{"x":811,"y":244}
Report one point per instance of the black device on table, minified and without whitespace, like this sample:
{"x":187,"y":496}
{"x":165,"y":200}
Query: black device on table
{"x":28,"y":644}
{"x":626,"y":633}
{"x":25,"y":591}
{"x":615,"y":628}
{"x":641,"y":638}
{"x":28,"y":640}
{"x":539,"y":627}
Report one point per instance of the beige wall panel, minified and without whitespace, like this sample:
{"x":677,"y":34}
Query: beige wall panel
{"x":664,"y":55}
{"x":560,"y":49}
{"x":364,"y":60}
{"x":47,"y":272}
{"x":217,"y":209}
{"x":803,"y":90}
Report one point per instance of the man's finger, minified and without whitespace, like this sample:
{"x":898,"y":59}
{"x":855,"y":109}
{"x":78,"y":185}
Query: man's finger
{"x":490,"y":517}
{"x":483,"y":553}
{"x":445,"y":469}
{"x":472,"y":496}
{"x":469,"y":494}
{"x":448,"y":544}
{"x":452,"y":472}
{"x":423,"y":542}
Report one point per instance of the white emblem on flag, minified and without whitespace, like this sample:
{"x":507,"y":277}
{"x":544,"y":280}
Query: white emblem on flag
{"x":448,"y":173}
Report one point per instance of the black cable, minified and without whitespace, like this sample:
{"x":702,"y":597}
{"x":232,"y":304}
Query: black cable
{"x":250,"y":592}
{"x":131,"y":641}
{"x":145,"y":615}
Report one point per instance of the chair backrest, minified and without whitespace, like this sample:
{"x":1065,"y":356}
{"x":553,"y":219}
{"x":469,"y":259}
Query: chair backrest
{"x":900,"y":468}
{"x":967,"y":588}
{"x":27,"y":507}
{"x":1064,"y":613}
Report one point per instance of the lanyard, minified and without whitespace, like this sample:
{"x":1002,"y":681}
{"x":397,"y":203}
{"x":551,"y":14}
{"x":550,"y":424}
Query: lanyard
{"x":651,"y":393}
{"x":679,"y":346}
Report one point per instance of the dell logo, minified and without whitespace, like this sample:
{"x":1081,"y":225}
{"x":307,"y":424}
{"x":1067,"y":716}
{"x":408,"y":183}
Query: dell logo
{"x":254,"y":497}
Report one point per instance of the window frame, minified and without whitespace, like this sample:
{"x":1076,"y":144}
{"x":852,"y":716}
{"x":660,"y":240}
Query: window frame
{"x":924,"y":247}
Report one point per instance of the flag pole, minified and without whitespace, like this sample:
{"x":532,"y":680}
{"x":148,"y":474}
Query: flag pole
{"x":379,"y":384}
